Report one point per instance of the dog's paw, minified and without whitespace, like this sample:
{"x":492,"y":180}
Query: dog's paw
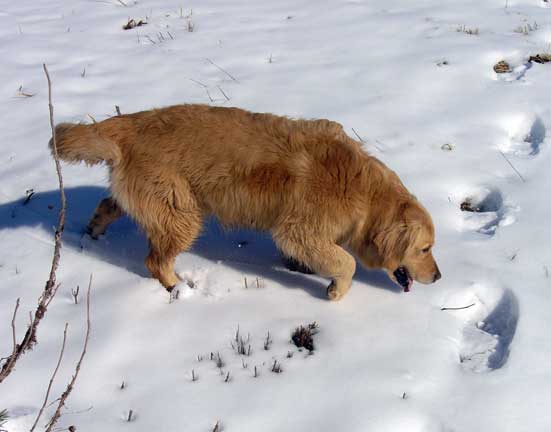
{"x":93,"y":232}
{"x":333,"y":293}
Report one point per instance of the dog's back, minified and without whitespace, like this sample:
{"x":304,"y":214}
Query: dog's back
{"x":247,"y":169}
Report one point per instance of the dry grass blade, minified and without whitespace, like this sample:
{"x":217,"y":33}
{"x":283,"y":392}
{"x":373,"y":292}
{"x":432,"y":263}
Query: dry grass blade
{"x":71,"y":384}
{"x":51,"y":379}
{"x":512,"y":166}
{"x":359,"y":137}
{"x":457,"y":308}
{"x":222,"y":70}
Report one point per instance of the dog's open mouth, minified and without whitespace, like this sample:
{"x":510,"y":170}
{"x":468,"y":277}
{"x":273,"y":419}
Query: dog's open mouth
{"x":403,"y":278}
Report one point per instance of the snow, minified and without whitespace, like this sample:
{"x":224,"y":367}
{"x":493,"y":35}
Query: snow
{"x":402,"y":75}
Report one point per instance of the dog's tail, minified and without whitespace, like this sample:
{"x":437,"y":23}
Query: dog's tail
{"x":81,"y":143}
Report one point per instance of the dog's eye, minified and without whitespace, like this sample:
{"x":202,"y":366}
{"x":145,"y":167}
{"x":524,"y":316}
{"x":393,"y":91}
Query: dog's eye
{"x":426,"y":250}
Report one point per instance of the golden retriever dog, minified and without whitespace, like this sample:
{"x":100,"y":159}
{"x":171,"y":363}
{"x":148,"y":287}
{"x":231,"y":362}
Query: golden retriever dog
{"x":305,"y":181}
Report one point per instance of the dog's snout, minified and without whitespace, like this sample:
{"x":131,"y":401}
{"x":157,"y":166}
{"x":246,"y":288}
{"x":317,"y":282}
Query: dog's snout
{"x":437,"y":275}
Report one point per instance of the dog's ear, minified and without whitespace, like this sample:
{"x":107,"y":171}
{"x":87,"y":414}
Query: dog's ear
{"x":394,"y":242}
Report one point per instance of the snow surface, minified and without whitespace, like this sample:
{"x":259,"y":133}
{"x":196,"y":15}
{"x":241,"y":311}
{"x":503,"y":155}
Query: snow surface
{"x":424,"y":98}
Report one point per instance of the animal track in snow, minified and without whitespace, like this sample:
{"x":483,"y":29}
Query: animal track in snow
{"x":486,"y":343}
{"x":484,"y":209}
{"x":490,"y":328}
{"x":526,"y":135}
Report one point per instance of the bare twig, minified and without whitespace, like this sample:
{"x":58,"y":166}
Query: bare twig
{"x":51,"y":379}
{"x":71,"y":384}
{"x":512,"y":166}
{"x":13,"y":325}
{"x":216,"y":427}
{"x":359,"y":137}
{"x":457,"y":308}
{"x":14,"y":338}
{"x":50,"y":289}
{"x":222,"y":70}
{"x":74,"y":293}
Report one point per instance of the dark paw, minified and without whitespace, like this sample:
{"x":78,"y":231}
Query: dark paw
{"x":296,"y":266}
{"x":90,"y":231}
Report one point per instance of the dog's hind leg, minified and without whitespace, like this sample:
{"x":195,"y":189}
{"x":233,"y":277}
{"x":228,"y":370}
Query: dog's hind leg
{"x":107,"y":212}
{"x":325,"y":258}
{"x":172,"y":221}
{"x":177,"y":235}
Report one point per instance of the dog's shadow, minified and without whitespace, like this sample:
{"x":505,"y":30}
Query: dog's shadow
{"x":126,"y":246}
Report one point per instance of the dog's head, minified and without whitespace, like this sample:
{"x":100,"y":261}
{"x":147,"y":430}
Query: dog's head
{"x":405,"y":247}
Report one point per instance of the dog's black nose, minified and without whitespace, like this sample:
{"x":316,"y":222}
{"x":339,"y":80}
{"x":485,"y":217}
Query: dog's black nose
{"x":437,"y":275}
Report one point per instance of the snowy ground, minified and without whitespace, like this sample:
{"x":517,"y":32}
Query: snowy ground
{"x":402,"y":75}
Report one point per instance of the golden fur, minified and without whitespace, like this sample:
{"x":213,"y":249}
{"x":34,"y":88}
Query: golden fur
{"x":305,"y":181}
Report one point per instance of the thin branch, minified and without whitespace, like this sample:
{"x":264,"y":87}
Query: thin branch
{"x":61,"y":222}
{"x":512,"y":166}
{"x":223,"y":70}
{"x":457,"y":308}
{"x":13,"y":326}
{"x":51,"y":379}
{"x":359,"y":137}
{"x":12,"y":358}
{"x":71,"y":384}
{"x":50,"y":289}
